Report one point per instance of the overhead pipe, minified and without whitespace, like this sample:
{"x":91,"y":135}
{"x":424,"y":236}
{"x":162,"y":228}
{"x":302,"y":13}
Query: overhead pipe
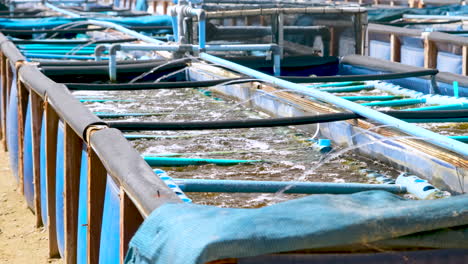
{"x":178,"y":13}
{"x":125,"y":31}
{"x":61,"y":10}
{"x":424,"y":134}
{"x":99,"y":50}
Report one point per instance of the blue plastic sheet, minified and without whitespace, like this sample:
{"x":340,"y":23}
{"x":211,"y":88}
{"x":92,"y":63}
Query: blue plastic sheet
{"x":189,"y":233}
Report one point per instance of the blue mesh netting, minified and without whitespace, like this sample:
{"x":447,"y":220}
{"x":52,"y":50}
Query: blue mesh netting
{"x":190,"y":233}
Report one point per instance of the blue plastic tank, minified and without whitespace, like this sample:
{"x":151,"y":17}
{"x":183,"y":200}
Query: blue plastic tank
{"x":28,"y":160}
{"x":83,"y":209}
{"x":12,"y":128}
{"x":59,"y":188}
{"x":110,"y":229}
{"x":43,"y":174}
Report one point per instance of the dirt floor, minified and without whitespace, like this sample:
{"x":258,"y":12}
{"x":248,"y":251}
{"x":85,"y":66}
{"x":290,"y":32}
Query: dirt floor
{"x":20,"y":240}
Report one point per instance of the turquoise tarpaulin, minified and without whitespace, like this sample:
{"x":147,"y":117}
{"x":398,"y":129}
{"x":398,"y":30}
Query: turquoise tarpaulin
{"x":191,"y":234}
{"x":52,"y":22}
{"x":386,"y":15}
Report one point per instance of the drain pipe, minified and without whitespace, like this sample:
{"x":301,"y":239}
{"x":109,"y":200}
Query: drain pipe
{"x":423,"y":134}
{"x":113,"y":62}
{"x":99,"y":50}
{"x":175,"y":29}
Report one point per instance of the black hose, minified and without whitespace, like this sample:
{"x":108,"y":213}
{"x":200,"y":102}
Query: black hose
{"x":369,"y":77}
{"x":49,"y":64}
{"x":284,"y":121}
{"x":104,"y":69}
{"x":151,"y":85}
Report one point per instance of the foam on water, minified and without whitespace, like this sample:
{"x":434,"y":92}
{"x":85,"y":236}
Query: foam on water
{"x":287,"y":153}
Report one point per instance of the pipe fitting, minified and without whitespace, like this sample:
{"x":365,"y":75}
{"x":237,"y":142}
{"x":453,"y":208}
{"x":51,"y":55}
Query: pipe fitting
{"x":99,"y":50}
{"x":114,"y":48}
{"x":113,"y":61}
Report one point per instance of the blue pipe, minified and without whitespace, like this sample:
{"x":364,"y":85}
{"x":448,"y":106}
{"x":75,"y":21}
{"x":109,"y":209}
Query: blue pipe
{"x":52,"y":56}
{"x":420,"y":188}
{"x":125,"y":31}
{"x":401,"y":102}
{"x":169,"y":181}
{"x":441,"y":107}
{"x":175,"y":30}
{"x":451,"y":120}
{"x":202,"y":34}
{"x":347,"y":89}
{"x":455,"y":89}
{"x":338,"y":84}
{"x":463,"y":139}
{"x":172,"y":162}
{"x":437,"y":139}
{"x":322,"y":145}
{"x":372,"y":98}
{"x":60,"y":10}
{"x":240,"y":186}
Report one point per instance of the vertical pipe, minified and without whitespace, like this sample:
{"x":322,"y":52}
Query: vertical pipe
{"x":113,"y":62}
{"x":175,"y":28}
{"x":112,"y":68}
{"x":277,"y":64}
{"x":455,"y":89}
{"x":202,"y":34}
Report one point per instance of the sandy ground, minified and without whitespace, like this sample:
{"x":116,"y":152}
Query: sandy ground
{"x":20,"y":241}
